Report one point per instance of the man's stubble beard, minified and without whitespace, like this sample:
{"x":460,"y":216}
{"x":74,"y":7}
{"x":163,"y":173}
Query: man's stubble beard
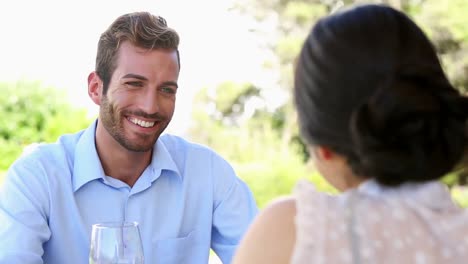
{"x":112,"y":122}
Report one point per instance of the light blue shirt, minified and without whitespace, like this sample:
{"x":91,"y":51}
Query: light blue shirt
{"x":187,"y":201}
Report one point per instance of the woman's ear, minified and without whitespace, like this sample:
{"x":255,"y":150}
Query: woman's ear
{"x":95,"y":87}
{"x":324,"y":153}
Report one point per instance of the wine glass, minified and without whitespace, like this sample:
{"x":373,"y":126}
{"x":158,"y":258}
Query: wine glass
{"x":116,"y":243}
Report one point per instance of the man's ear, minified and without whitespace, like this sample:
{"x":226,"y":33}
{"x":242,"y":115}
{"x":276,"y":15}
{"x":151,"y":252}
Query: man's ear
{"x":95,"y":86}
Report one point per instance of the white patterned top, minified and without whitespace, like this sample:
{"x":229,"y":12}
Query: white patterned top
{"x":414,"y":223}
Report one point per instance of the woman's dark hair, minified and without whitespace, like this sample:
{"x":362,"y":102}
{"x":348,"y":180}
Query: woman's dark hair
{"x":369,"y":85}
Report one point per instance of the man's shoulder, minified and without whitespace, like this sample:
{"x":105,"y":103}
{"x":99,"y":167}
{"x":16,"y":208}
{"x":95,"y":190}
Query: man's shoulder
{"x":184,"y":149}
{"x":50,"y":151}
{"x":172,"y":141}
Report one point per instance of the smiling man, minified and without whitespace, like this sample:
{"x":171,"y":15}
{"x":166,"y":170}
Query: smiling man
{"x":185,"y":197}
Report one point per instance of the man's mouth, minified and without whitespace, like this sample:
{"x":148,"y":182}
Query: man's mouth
{"x":140,"y":122}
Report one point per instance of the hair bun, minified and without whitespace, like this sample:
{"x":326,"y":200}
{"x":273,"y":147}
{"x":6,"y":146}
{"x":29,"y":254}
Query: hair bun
{"x":406,"y":132}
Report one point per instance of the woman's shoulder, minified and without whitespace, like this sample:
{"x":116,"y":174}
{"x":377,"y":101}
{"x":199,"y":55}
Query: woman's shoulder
{"x":283,"y":204}
{"x":261,"y":244}
{"x":279,"y":213}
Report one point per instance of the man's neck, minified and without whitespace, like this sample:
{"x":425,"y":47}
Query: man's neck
{"x":118,"y":162}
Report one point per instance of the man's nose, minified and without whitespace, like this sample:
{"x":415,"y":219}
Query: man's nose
{"x":149,"y":102}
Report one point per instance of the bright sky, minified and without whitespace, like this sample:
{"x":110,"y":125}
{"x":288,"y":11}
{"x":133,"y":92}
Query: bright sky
{"x":55,"y":42}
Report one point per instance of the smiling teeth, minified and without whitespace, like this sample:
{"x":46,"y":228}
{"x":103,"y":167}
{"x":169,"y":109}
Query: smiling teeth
{"x":141,"y":122}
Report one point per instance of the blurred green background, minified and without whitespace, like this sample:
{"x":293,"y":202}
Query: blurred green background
{"x":253,"y":125}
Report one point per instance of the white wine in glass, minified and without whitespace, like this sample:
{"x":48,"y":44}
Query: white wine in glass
{"x":116,"y":243}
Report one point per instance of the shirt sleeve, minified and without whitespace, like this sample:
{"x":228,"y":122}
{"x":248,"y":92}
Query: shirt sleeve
{"x":23,"y":214}
{"x":234,"y":210}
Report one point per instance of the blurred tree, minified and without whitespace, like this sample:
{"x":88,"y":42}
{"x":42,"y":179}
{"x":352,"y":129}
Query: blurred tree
{"x":247,"y":136}
{"x":446,"y":23}
{"x":284,"y":24}
{"x":262,"y":139}
{"x":34,"y":113}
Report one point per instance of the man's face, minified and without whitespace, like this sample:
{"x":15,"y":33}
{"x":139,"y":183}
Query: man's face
{"x":140,"y":99}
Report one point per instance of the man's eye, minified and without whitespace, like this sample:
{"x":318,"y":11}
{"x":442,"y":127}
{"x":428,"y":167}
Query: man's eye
{"x":169,"y":90}
{"x":134,"y":84}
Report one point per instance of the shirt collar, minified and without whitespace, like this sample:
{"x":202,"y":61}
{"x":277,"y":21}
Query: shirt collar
{"x":162,"y":160}
{"x":87,"y":165}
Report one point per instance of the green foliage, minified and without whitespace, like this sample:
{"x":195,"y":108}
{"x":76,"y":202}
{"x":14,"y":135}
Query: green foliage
{"x":288,"y":48}
{"x":9,"y":151}
{"x":269,"y":179}
{"x":266,"y":149}
{"x":2,"y":176}
{"x":258,"y":158}
{"x":253,"y":147}
{"x":450,"y":179}
{"x":446,"y":24}
{"x":230,"y":97}
{"x":303,"y":12}
{"x":460,"y":195}
{"x":449,"y":15}
{"x":34,"y":113}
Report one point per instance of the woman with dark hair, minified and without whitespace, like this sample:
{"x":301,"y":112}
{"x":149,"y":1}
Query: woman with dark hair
{"x":383,"y":125}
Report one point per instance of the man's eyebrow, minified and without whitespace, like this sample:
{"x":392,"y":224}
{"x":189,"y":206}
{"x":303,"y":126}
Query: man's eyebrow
{"x":143,"y":78}
{"x":135,"y":76}
{"x":170,"y":83}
